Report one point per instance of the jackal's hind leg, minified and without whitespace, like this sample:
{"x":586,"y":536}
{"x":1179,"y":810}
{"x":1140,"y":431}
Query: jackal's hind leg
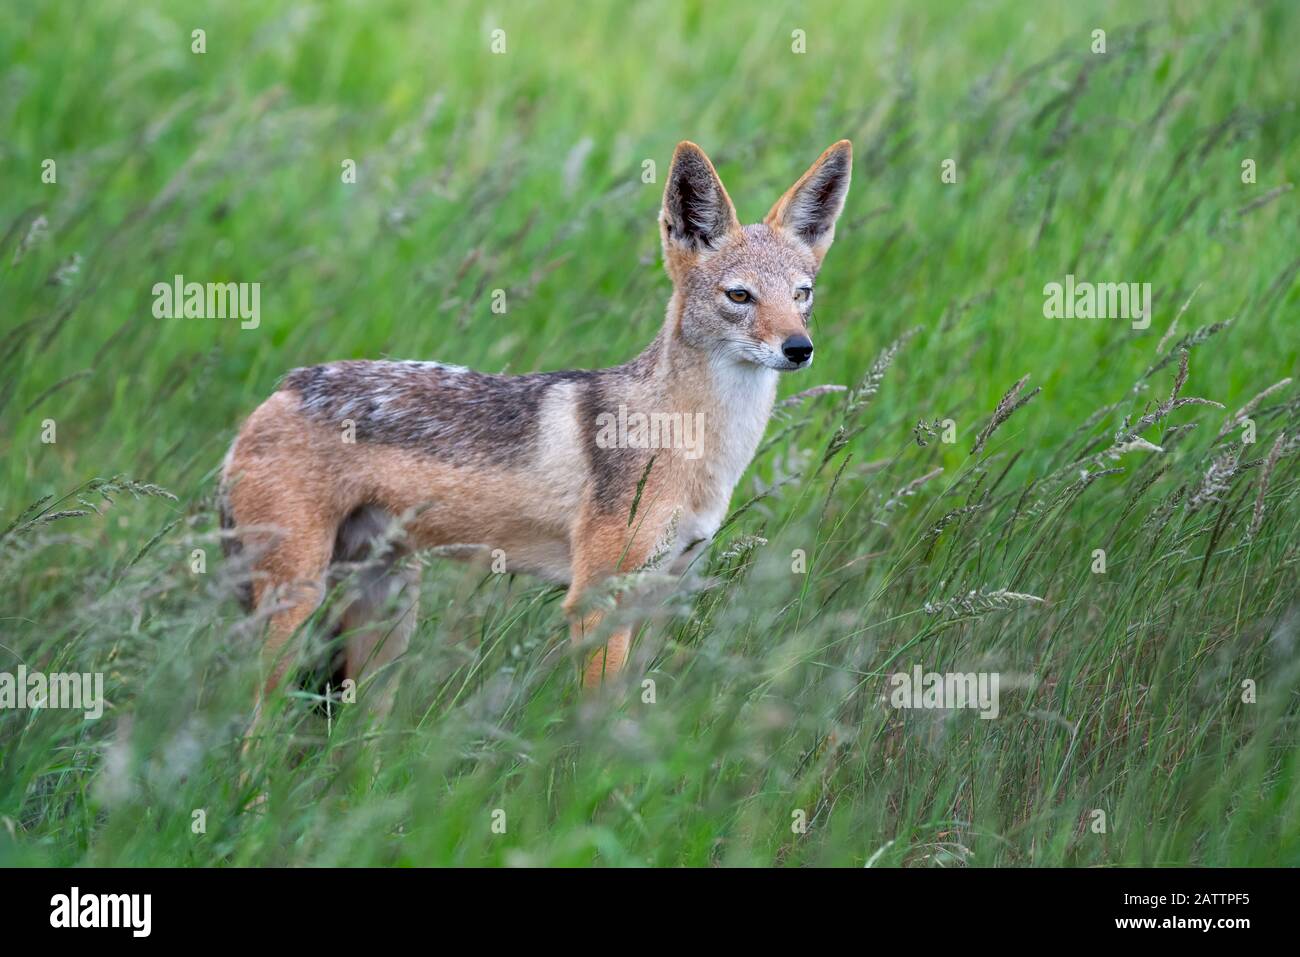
{"x":294,"y":590}
{"x":379,"y":603}
{"x":376,"y":627}
{"x":290,"y":583}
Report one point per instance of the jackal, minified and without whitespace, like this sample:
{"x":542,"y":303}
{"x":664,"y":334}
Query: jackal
{"x":364,"y":462}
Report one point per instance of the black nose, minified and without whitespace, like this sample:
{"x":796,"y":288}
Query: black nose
{"x":797,"y":348}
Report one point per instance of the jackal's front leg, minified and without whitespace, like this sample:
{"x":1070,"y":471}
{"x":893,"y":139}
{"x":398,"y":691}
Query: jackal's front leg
{"x":603,"y":546}
{"x":604,"y":662}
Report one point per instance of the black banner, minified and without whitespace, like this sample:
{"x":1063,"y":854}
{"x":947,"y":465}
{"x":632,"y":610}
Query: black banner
{"x":336,"y":906}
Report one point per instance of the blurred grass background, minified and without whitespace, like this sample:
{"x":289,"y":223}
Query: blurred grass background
{"x":523,"y":172}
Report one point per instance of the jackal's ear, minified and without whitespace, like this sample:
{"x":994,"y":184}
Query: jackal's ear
{"x":697,"y":213}
{"x":809,"y":208}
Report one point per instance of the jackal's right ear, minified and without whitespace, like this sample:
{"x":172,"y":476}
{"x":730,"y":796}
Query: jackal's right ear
{"x":697,"y":213}
{"x":810,"y":207}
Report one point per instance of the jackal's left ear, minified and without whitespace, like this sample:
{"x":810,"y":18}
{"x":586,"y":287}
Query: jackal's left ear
{"x":697,"y":212}
{"x":809,"y":208}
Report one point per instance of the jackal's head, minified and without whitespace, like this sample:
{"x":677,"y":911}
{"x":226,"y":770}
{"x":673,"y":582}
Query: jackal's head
{"x":745,"y":293}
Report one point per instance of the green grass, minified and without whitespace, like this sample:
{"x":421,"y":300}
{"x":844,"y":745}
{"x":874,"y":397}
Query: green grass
{"x":473,"y":176}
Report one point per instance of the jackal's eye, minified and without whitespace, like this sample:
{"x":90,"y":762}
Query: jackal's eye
{"x":803,"y":294}
{"x":739,"y":295}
